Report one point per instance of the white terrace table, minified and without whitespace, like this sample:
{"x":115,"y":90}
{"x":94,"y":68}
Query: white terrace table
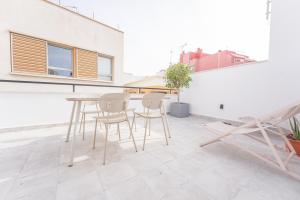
{"x":77,"y":102}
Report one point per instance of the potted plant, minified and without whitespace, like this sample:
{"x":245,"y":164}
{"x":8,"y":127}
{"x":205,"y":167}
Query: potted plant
{"x":294,"y":137}
{"x":178,"y":76}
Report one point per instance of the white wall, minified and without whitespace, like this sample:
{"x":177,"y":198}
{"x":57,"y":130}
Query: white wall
{"x":18,"y":109}
{"x":31,"y":104}
{"x":254,"y":89}
{"x":21,"y":109}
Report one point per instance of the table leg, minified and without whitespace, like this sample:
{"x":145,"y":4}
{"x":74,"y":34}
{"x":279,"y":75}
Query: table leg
{"x":74,"y":132}
{"x":71,"y":121}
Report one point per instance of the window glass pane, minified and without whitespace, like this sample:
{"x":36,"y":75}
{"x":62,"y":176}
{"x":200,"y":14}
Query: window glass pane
{"x":105,"y":78}
{"x":104,"y":67}
{"x":59,"y":57}
{"x":59,"y":72}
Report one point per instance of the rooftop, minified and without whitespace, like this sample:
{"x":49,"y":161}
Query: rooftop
{"x":35,"y":159}
{"x":34,"y":166}
{"x":81,"y":15}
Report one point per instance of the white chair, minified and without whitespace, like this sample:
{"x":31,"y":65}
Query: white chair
{"x":113,"y":107}
{"x":86,"y":111}
{"x":269,"y":124}
{"x":129,"y":110}
{"x":153,"y":108}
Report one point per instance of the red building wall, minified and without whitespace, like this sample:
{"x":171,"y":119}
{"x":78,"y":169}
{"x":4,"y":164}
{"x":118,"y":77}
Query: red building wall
{"x":201,"y":61}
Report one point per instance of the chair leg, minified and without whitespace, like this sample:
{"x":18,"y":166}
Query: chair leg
{"x":166,"y":119}
{"x":149,"y":126}
{"x":133,"y":121}
{"x":94,"y":144}
{"x":145,"y":118}
{"x":83,"y":133}
{"x":81,"y":121}
{"x":131,"y":135}
{"x":119,"y":133}
{"x":105,"y":144}
{"x":162,"y":119}
{"x":167,"y":123}
{"x":217,"y":138}
{"x":98,"y":114}
{"x":145,"y":133}
{"x":271,"y":145}
{"x":100,"y":126}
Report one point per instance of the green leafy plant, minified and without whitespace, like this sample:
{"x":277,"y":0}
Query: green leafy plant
{"x":295,"y":127}
{"x":178,"y":76}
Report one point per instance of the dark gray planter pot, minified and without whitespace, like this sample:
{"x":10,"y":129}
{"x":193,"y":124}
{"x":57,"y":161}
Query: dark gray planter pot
{"x":179,"y":110}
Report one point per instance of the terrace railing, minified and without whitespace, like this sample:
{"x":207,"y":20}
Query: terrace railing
{"x":139,"y":90}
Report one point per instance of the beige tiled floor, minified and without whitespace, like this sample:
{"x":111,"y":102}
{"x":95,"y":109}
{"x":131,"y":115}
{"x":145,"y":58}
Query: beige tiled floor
{"x":33,"y":165}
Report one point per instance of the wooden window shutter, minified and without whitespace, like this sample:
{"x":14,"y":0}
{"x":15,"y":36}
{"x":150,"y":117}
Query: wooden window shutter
{"x":86,"y":64}
{"x":28,"y":54}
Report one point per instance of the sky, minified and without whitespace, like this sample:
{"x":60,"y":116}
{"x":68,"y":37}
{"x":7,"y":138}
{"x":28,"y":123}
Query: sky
{"x":154,"y":28}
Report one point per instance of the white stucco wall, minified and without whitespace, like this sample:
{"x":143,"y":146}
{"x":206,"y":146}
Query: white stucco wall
{"x":30,"y":104}
{"x":254,"y":89}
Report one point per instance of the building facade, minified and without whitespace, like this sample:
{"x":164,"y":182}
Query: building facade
{"x":43,"y":42}
{"x":200,"y":61}
{"x":258,"y":88}
{"x":154,"y":83}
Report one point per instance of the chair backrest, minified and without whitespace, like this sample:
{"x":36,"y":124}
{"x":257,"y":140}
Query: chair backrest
{"x":113,"y":102}
{"x":277,"y":117}
{"x":282,"y":114}
{"x":92,"y":102}
{"x":127,"y":99}
{"x":153,"y":100}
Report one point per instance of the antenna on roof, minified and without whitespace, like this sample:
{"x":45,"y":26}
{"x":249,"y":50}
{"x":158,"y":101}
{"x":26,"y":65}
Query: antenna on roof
{"x":93,"y":15}
{"x":183,"y":46}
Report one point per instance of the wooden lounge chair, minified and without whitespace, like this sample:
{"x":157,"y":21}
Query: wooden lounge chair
{"x":265,"y":126}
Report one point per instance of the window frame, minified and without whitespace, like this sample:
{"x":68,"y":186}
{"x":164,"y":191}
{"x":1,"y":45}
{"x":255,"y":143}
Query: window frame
{"x":112,"y":67}
{"x":74,"y":68}
{"x":60,"y":68}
